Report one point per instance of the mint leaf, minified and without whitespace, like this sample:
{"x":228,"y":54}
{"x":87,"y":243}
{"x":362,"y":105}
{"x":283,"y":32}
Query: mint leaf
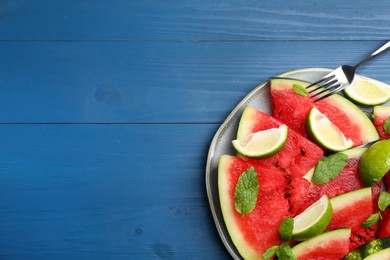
{"x":300,"y":90}
{"x":371,"y":220}
{"x":284,"y":252}
{"x":247,"y":189}
{"x":270,"y":252}
{"x":286,"y":228}
{"x":384,"y":200}
{"x":386,"y":126}
{"x":329,"y":167}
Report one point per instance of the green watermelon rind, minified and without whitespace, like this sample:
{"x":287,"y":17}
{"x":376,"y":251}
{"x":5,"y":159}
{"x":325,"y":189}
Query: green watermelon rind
{"x":367,"y":128}
{"x":381,"y":111}
{"x":350,"y":198}
{"x":368,"y":249}
{"x":324,"y":238}
{"x":380,"y":115}
{"x":246,"y":122}
{"x":382,"y":254}
{"x":244,"y":248}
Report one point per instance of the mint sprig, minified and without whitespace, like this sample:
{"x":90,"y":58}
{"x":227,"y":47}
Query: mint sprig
{"x":329,"y":167}
{"x":371,"y":220}
{"x":384,"y":200}
{"x":383,"y":203}
{"x":270,"y":252}
{"x":286,"y":228}
{"x":247,"y":189}
{"x":300,"y":90}
{"x":283,"y":251}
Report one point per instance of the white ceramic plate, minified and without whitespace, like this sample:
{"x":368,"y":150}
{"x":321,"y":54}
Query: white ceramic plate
{"x":260,"y":99}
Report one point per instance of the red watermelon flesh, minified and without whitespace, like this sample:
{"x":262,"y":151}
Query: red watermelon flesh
{"x":297,"y":156}
{"x":381,"y":113}
{"x":347,"y":180}
{"x":253,"y":233}
{"x":330,"y":245}
{"x":292,"y":109}
{"x":297,"y":192}
{"x":351,"y":210}
{"x":386,"y":181}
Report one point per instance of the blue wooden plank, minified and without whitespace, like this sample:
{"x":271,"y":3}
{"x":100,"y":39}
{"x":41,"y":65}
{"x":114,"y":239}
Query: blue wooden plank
{"x":153,"y":82}
{"x":105,"y":192}
{"x":194,"y":20}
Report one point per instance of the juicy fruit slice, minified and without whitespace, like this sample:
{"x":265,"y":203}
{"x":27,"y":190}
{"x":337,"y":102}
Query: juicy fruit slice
{"x":253,"y":233}
{"x":347,"y":180}
{"x":382,"y":254}
{"x":292,"y":109}
{"x":325,"y":133}
{"x":351,"y":210}
{"x":313,"y":220}
{"x":368,"y":91}
{"x":329,"y":245}
{"x":263,"y":143}
{"x":368,"y":249}
{"x":375,"y":163}
{"x":381,"y":114}
{"x":298,"y":154}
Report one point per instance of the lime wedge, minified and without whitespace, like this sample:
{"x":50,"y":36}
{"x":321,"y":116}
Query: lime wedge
{"x":263,"y":143}
{"x":368,"y":91}
{"x":325,"y":133}
{"x":375,"y":163}
{"x":313,"y":220}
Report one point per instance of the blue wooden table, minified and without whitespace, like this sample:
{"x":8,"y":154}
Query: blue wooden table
{"x":107,"y":110}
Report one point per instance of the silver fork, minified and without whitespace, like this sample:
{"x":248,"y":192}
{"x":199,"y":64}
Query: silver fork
{"x":340,"y":78}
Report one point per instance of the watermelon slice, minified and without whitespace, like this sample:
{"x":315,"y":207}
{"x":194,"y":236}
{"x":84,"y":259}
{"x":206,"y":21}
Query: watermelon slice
{"x":347,"y":180}
{"x":296,"y":158}
{"x":381,"y":113}
{"x":253,"y":233}
{"x":369,"y":248}
{"x":351,"y":209}
{"x":292,"y":109}
{"x":329,"y":245}
{"x":298,"y":154}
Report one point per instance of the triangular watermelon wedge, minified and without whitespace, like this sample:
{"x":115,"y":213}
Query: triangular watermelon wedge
{"x":297,"y":156}
{"x":252,"y":233}
{"x":346,"y":181}
{"x":381,"y":114}
{"x":331,"y":245}
{"x":292,"y":109}
{"x":351,"y":209}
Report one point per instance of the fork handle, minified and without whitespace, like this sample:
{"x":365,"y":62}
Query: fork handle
{"x":385,"y":47}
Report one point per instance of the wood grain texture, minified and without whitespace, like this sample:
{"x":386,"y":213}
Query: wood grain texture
{"x":86,"y":82}
{"x":194,"y":20}
{"x":107,"y":110}
{"x":105,"y":192}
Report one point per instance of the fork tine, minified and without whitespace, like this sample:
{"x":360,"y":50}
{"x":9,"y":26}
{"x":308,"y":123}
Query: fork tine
{"x":329,"y":94}
{"x":326,"y":86}
{"x":325,"y":78}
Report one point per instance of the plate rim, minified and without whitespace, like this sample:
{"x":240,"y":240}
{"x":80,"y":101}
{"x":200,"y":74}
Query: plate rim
{"x":214,"y":140}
